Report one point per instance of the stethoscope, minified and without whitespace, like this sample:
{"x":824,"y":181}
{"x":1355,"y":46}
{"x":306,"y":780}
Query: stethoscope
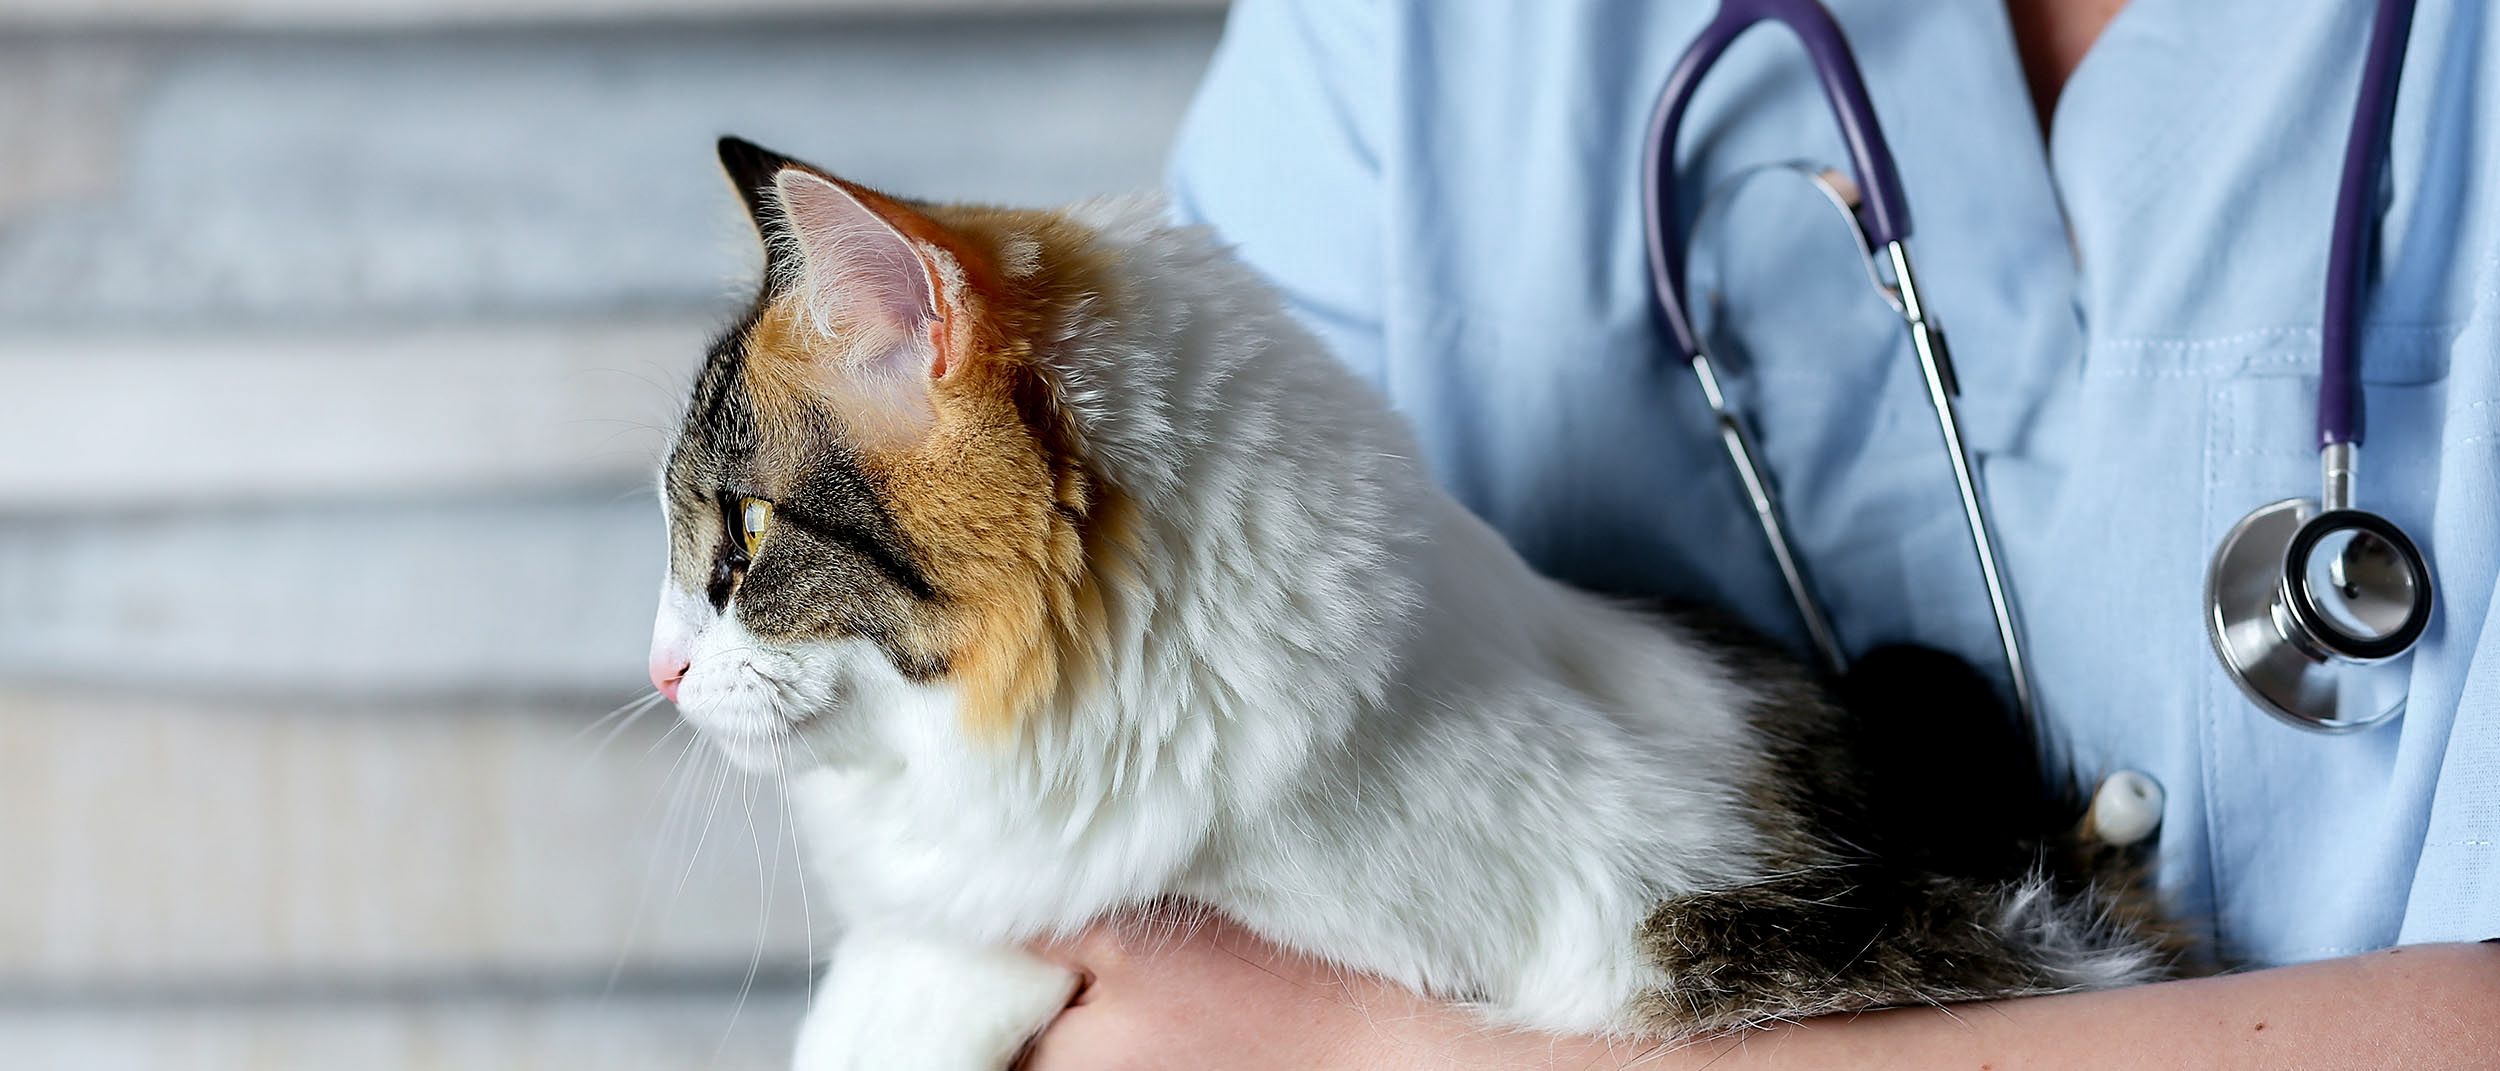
{"x":2301,"y":599}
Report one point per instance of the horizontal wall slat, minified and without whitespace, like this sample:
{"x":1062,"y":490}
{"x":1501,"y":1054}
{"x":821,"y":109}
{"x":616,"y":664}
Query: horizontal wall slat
{"x":532,"y":595}
{"x":625,"y":1032}
{"x":117,"y":420}
{"x":331,"y":13}
{"x":153,"y":843}
{"x":184,"y":180}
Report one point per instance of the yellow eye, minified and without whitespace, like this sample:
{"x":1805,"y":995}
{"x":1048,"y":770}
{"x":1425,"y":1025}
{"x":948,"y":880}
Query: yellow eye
{"x":755,"y":517}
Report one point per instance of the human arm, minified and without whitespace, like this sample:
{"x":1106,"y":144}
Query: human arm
{"x":1211,"y":996}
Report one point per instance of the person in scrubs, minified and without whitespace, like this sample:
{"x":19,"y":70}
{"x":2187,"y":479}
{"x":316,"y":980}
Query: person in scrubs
{"x":2122,"y":217}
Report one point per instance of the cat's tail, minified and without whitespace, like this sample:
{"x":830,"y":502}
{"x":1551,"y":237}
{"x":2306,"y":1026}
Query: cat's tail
{"x":1955,"y":786}
{"x":1943,"y":863}
{"x":1860,"y":936}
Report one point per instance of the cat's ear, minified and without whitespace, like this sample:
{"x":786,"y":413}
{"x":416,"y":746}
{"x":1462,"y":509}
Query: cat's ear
{"x":859,"y":277}
{"x":871,"y":282}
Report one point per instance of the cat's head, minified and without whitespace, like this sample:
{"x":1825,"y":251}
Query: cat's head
{"x":879,"y":498}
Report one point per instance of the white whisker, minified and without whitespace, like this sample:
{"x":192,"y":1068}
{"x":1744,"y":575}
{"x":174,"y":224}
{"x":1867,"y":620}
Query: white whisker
{"x":711,"y":811}
{"x":763,"y":917}
{"x":651,"y":869}
{"x":798,"y":856}
{"x":631,"y":707}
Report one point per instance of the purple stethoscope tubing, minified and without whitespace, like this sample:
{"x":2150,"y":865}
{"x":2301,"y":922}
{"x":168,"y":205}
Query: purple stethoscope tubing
{"x":2273,"y":637}
{"x":1880,"y":212}
{"x":2365,"y":156}
{"x":1884,"y":214}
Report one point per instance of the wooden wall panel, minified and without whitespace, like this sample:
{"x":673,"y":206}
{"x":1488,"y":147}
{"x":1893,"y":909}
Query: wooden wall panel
{"x":534,"y":595}
{"x":158,"y":841}
{"x":631,"y":1031}
{"x":130,"y":420}
{"x":372,"y":182}
{"x":395,"y":13}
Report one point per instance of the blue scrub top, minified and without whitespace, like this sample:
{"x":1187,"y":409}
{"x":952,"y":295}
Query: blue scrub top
{"x":1447,"y":192}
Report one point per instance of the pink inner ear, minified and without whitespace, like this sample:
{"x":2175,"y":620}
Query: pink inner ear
{"x":863,"y":281}
{"x":868,"y":292}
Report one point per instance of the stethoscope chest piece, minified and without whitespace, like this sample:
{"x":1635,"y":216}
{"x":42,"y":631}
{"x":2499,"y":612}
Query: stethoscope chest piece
{"x":2306,"y":608}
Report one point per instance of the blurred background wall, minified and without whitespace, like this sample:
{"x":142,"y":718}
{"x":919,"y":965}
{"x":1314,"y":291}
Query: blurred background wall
{"x":335,"y":341}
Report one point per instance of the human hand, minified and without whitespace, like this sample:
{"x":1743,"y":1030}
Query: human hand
{"x":1184,"y":988}
{"x":1180,"y":988}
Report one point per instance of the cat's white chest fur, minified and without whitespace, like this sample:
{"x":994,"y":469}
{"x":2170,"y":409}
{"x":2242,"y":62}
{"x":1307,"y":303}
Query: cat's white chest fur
{"x":1536,"y":773}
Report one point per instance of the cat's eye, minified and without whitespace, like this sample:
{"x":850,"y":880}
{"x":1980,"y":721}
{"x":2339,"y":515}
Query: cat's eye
{"x":755,"y":517}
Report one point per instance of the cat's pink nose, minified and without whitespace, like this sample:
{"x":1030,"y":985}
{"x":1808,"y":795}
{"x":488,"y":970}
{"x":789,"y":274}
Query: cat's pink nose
{"x":665,"y":675}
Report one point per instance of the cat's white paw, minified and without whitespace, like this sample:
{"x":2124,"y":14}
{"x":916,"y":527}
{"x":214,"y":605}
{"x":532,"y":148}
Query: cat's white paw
{"x":897,"y":1003}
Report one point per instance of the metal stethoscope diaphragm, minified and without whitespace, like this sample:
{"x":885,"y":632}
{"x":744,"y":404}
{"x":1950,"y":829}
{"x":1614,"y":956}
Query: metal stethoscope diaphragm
{"x":2301,"y":602}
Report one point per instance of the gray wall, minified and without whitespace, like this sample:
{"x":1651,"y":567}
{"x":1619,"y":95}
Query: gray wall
{"x":335,"y":341}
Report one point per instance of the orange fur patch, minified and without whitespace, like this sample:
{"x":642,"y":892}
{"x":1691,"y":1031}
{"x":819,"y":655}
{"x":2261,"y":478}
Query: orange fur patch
{"x":1018,"y":535}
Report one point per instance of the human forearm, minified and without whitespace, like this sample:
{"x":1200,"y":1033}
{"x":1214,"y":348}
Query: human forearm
{"x":1196,"y":991}
{"x":2424,"y":1006}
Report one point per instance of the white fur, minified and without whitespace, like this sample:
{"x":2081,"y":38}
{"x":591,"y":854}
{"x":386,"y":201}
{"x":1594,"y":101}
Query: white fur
{"x":1335,"y":707}
{"x":2071,"y":939}
{"x":990,"y":999}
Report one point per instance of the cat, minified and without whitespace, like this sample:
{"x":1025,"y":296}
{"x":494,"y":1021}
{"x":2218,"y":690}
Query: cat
{"x":1058,"y":571}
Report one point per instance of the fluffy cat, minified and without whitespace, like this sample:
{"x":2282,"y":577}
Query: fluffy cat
{"x":1059,"y":571}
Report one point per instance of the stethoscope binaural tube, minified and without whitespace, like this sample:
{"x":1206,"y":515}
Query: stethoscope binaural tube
{"x":1881,"y":215}
{"x":2303,"y":595}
